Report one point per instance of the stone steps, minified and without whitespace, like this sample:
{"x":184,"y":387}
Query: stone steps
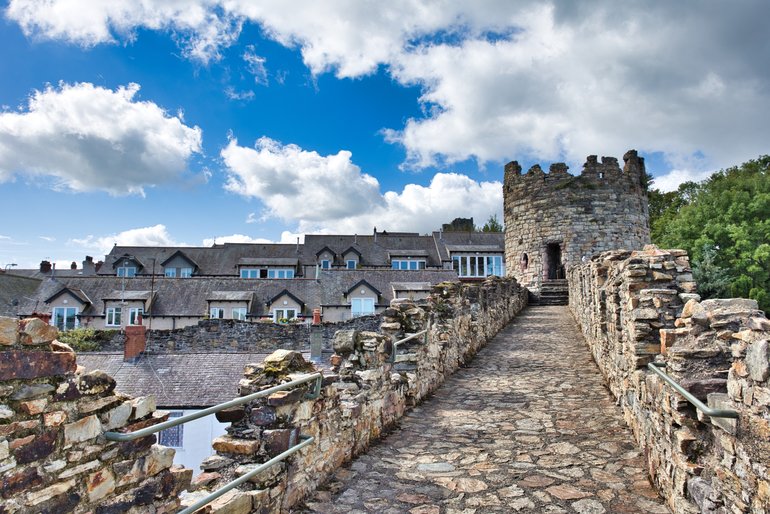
{"x":554,"y":292}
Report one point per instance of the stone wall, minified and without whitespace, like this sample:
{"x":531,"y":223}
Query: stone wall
{"x":635,"y":307}
{"x":603,"y":208}
{"x":53,"y":455}
{"x":362,"y":398}
{"x":227,"y":335}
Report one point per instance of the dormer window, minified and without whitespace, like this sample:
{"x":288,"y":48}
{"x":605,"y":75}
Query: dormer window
{"x":408,"y":264}
{"x":351,"y":264}
{"x":126,"y":271}
{"x":326,"y":264}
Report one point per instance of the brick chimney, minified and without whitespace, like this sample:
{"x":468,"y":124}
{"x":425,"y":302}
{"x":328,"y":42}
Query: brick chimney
{"x":136,"y":342}
{"x":45,"y":267}
{"x":89,"y":268}
{"x":74,"y":265}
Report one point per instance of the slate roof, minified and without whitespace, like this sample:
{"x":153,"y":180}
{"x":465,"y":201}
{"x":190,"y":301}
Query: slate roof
{"x":373,"y":250}
{"x":190,"y":380}
{"x":216,"y":260}
{"x":13,"y":290}
{"x":490,"y":242}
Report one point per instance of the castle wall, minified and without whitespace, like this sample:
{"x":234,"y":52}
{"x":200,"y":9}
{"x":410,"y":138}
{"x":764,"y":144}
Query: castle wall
{"x":603,"y":208}
{"x":363,"y":397}
{"x":637,"y":307}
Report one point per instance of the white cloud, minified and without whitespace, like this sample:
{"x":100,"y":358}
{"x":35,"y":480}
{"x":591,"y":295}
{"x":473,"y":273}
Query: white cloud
{"x":48,"y":239}
{"x":234,"y":238}
{"x":5,"y":237}
{"x":156,"y":235}
{"x":255,"y":65}
{"x":297,"y":184}
{"x":233,"y":94}
{"x":330,"y":194}
{"x":91,"y":138}
{"x":499,"y":79}
{"x":670,"y":181}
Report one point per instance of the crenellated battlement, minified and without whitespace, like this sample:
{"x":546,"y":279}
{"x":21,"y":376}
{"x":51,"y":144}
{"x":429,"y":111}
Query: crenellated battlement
{"x":606,"y":173}
{"x":555,"y":219}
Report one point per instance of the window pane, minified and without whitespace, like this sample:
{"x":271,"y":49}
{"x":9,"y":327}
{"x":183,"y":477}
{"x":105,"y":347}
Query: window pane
{"x":351,"y":264}
{"x":171,"y":272}
{"x":394,"y":264}
{"x":186,"y":272}
{"x":325,"y":264}
{"x":173,"y":436}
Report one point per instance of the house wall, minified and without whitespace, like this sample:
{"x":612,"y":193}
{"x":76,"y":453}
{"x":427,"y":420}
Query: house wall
{"x":196,"y":439}
{"x":285,"y":302}
{"x":640,"y":306}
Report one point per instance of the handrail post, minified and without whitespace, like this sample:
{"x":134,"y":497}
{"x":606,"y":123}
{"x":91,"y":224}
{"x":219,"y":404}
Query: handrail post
{"x":705,"y":409}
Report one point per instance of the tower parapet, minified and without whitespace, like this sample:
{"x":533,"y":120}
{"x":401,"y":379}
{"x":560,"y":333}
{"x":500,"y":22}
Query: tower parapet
{"x":555,"y":219}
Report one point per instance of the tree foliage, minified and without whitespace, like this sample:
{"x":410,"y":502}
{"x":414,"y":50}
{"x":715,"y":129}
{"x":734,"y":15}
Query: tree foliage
{"x":724,"y":224}
{"x":492,"y":225}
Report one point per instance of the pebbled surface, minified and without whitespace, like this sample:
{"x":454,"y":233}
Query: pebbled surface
{"x":528,"y":426}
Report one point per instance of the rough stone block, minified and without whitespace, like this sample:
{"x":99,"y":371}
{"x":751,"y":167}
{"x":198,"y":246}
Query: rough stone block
{"x":280,"y":398}
{"x":34,"y":331}
{"x":28,"y":392}
{"x":39,"y":448}
{"x":117,"y":417}
{"x":4,"y":450}
{"x":16,"y":364}
{"x":100,"y":484}
{"x":33,"y":407}
{"x":228,"y":444}
{"x":722,"y":401}
{"x":232,"y":502}
{"x":96,"y":382}
{"x":82,"y":430}
{"x":16,"y":483}
{"x":231,"y":415}
{"x":160,"y":458}
{"x":143,"y":406}
{"x":279,"y":440}
{"x":38,"y":497}
{"x":77,"y":470}
{"x":263,"y":416}
{"x":9,"y":331}
{"x":758,"y":360}
{"x":344,"y":341}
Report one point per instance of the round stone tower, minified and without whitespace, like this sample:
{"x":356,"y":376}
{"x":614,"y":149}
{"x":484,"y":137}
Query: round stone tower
{"x":555,"y":219}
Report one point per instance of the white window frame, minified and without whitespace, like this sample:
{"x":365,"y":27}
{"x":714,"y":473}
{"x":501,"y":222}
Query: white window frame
{"x":249,"y":272}
{"x":478,"y":266}
{"x":170,"y":272}
{"x":326,"y":264}
{"x":351,"y":263}
{"x":67,"y":315}
{"x":238,"y":313}
{"x":126,"y":271}
{"x":113,"y":317}
{"x":185,"y":272}
{"x":133,"y":315}
{"x":358,"y":306}
{"x":284,"y":313}
{"x":216,"y":313}
{"x":280,"y":273}
{"x":408,"y":264}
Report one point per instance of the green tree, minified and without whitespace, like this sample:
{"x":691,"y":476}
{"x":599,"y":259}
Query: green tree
{"x":492,"y":225}
{"x":724,"y":224}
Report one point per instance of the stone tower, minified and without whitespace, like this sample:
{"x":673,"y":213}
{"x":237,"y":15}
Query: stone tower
{"x":555,"y":219}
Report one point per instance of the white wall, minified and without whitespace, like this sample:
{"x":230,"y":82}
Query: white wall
{"x":196,"y":440}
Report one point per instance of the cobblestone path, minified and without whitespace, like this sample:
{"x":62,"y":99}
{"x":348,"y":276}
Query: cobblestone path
{"x":527,"y":427}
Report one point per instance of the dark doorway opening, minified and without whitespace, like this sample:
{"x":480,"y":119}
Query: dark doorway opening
{"x":553,"y":260}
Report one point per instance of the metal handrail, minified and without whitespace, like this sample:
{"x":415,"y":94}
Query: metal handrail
{"x":244,"y":478}
{"x":392,"y":359}
{"x":130,"y":436}
{"x":705,"y":409}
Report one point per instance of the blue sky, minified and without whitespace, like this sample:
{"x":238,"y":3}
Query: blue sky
{"x":183,"y":122}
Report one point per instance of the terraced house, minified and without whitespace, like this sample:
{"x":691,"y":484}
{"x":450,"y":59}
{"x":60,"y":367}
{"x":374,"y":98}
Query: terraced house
{"x":340,"y":276}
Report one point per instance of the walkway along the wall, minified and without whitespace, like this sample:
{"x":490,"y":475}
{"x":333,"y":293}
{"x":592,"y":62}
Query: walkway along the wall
{"x":365,"y":396}
{"x":53,"y":455}
{"x":635,"y":307}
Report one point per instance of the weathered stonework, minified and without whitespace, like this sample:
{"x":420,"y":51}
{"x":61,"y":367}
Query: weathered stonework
{"x":553,"y":220}
{"x":363,"y":397}
{"x":53,"y":455}
{"x":224,"y":336}
{"x":634,"y":307}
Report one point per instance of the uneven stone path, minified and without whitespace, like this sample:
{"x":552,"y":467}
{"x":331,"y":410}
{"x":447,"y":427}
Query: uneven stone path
{"x":527,"y":427}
